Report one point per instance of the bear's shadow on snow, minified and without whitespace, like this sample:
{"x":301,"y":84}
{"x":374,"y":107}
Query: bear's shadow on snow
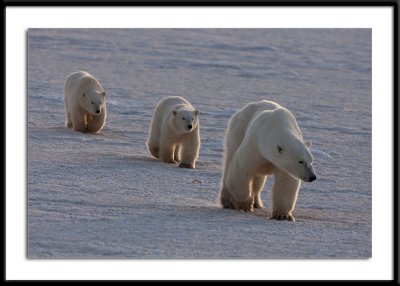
{"x":131,"y":159}
{"x":63,"y":130}
{"x":114,"y":137}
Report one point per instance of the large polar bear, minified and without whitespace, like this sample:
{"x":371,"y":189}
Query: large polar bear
{"x":175,"y":132}
{"x":263,"y":139}
{"x":85,"y":102}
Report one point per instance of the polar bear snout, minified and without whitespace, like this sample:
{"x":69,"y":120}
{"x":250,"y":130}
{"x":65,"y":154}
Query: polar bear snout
{"x":308,"y":173}
{"x":312,"y":178}
{"x":95,"y":111}
{"x":311,"y":175}
{"x":190,"y":126}
{"x":308,"y":179}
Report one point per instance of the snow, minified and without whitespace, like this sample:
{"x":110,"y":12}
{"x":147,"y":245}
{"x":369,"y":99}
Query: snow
{"x":104,"y":196}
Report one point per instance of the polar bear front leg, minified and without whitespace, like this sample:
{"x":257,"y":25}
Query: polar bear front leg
{"x":284,"y":196}
{"x":257,"y":186}
{"x":166,"y":150}
{"x":177,"y":152}
{"x":167,"y":154}
{"x":167,"y":146}
{"x":190,"y":149}
{"x":79,"y":121}
{"x":96,"y":123}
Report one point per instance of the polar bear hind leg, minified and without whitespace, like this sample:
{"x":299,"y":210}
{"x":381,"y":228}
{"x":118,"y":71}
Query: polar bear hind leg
{"x":154,"y":146}
{"x":226,"y":199}
{"x":242,"y":196}
{"x":228,"y":202}
{"x":153,"y":142}
{"x":69,"y":120}
{"x":154,"y":150}
{"x":257,"y":186}
{"x":284,"y":195}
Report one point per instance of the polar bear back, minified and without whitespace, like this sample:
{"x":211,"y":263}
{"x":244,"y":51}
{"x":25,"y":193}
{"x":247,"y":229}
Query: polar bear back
{"x":279,"y":123}
{"x":172,"y":102}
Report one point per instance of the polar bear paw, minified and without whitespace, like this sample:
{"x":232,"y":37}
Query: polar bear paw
{"x":228,"y":202}
{"x":246,"y":206}
{"x":288,"y":217}
{"x":154,"y":151}
{"x":258,"y":204}
{"x":186,"y":165}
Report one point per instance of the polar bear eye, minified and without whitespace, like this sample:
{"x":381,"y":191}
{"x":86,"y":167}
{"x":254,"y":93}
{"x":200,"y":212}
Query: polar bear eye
{"x":183,"y":118}
{"x":92,"y":102}
{"x":301,"y":162}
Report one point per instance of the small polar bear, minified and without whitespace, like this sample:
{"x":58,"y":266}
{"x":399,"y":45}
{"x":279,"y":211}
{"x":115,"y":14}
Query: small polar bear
{"x":263,"y":139}
{"x":85,"y":102}
{"x":175,"y":132}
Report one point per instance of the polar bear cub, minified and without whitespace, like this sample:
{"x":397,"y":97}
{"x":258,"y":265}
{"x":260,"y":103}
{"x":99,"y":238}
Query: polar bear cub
{"x":85,"y":102}
{"x":263,"y":139}
{"x":175,"y":132}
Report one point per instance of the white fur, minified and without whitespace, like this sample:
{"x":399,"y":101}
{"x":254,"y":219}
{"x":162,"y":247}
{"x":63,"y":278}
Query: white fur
{"x":264,"y":139}
{"x":85,"y":102}
{"x":170,"y":139}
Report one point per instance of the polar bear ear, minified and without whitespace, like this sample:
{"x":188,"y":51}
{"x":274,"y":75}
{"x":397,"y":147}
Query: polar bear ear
{"x":103,"y":93}
{"x":308,"y":144}
{"x":279,"y":149}
{"x":196,"y":112}
{"x":174,"y":112}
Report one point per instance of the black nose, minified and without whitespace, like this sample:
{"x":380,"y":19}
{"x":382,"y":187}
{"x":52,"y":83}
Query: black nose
{"x":190,"y":126}
{"x":313,"y":178}
{"x":98,"y":111}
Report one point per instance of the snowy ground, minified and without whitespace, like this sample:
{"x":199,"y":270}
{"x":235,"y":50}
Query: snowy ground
{"x":103,"y":196}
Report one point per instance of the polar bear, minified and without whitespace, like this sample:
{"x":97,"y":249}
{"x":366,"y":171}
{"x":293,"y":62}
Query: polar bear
{"x":85,"y":102}
{"x":175,"y":132}
{"x":263,"y":139}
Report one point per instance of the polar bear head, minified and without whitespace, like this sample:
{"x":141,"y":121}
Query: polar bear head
{"x":294,"y":157}
{"x":184,"y":121}
{"x":92,"y":101}
{"x":280,"y":141}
